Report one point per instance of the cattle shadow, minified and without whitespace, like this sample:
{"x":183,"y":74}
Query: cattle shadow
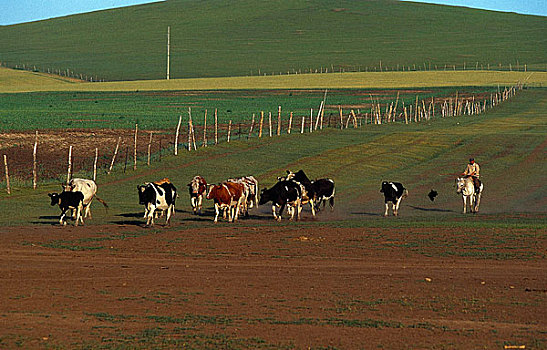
{"x":437,"y":210}
{"x":363,"y":213}
{"x":131,"y":215}
{"x":50,"y":220}
{"x":140,"y":223}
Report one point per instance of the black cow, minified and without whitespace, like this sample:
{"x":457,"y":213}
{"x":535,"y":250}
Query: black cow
{"x":161,"y":197}
{"x":69,"y":200}
{"x":283,"y":193}
{"x":309,"y":193}
{"x":393,"y":192}
{"x":323,"y":190}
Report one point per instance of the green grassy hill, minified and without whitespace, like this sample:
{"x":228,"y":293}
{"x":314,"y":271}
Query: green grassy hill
{"x":243,"y":37}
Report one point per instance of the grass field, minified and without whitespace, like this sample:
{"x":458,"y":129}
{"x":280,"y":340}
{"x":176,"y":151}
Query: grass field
{"x":211,"y":39}
{"x":161,"y":109}
{"x":15,"y":81}
{"x":507,"y":140}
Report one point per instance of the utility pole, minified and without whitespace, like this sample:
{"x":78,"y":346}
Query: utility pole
{"x":168,"y":47}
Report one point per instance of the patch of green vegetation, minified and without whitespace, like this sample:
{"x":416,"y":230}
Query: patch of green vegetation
{"x":104,"y":316}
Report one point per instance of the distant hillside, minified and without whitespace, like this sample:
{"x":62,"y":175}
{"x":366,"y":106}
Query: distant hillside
{"x":243,"y":37}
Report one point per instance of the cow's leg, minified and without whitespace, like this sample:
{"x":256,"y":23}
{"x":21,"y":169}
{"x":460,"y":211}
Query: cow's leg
{"x":331,"y":203}
{"x":200,"y":199}
{"x":387,"y":208}
{"x":299,"y":210}
{"x":217,"y":212}
{"x":273,"y":212}
{"x":79,"y":215}
{"x":464,"y":204}
{"x":87,"y":209}
{"x":169,"y":214}
{"x":281,"y":208}
{"x":290,"y":211}
{"x":61,"y":219}
{"x":396,"y":206}
{"x":150,"y":218}
{"x":193,"y":203}
{"x":234,"y":210}
{"x":312,"y":204}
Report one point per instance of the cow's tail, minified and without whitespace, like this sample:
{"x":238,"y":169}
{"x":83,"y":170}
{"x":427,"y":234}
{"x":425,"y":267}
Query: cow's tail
{"x":405,"y":193}
{"x":102,"y":202}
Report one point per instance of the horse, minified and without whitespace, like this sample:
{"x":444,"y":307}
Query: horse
{"x":464,"y":185}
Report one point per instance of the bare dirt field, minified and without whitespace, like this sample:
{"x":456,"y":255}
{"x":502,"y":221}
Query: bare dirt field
{"x":53,"y":145}
{"x":283,"y":286}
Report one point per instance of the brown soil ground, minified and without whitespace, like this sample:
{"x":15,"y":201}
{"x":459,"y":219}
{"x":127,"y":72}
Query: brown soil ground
{"x":269,"y":287}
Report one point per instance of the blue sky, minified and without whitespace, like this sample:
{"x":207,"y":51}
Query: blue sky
{"x":18,"y":11}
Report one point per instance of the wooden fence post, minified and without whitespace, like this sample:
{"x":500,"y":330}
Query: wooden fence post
{"x":318,"y":116}
{"x":341,"y":117}
{"x":311,"y":120}
{"x":95,"y":164}
{"x":290,"y":124}
{"x":205,"y":130}
{"x":354,"y":119}
{"x":34,"y":171}
{"x":149,"y":148}
{"x":69,"y":172}
{"x":135,"y":148}
{"x":189,"y":129}
{"x":114,"y":156}
{"x":270,"y":122}
{"x":8,"y":187}
{"x":216,"y":127}
{"x":126,"y":157}
{"x":261,"y":124}
{"x":251,"y":128}
{"x":396,"y":103}
{"x":177,"y":136}
{"x":416,"y":111}
{"x":229,"y":130}
{"x":278,"y":120}
{"x":303,"y":124}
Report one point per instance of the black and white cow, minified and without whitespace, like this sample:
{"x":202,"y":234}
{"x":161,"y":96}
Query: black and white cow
{"x":157,"y":197}
{"x":283,"y":193}
{"x":308,"y":196}
{"x":324,"y":191}
{"x":88,"y":189}
{"x":69,"y":200}
{"x":393,"y":192}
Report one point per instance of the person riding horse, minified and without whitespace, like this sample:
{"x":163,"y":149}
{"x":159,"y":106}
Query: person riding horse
{"x":473,"y":171}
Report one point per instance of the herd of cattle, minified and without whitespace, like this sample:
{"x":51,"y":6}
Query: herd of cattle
{"x":233,"y":197}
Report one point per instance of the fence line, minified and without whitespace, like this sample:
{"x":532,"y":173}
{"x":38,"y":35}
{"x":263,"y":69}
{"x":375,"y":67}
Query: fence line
{"x":421,"y":110}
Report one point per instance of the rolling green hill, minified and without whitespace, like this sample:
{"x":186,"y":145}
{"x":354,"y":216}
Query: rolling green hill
{"x":244,"y":37}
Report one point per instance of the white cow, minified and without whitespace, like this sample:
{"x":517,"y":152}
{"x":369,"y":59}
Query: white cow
{"x":89,"y":190}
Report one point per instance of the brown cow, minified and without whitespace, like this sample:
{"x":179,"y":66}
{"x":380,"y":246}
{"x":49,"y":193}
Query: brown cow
{"x":227,"y":195}
{"x":197,"y":189}
{"x":165,"y":180}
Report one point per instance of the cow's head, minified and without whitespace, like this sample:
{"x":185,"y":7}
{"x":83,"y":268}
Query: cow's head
{"x":194,"y":185}
{"x":385,"y":186}
{"x":211,"y":191}
{"x":141,"y":189}
{"x":54,"y":198}
{"x":264,"y":196}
